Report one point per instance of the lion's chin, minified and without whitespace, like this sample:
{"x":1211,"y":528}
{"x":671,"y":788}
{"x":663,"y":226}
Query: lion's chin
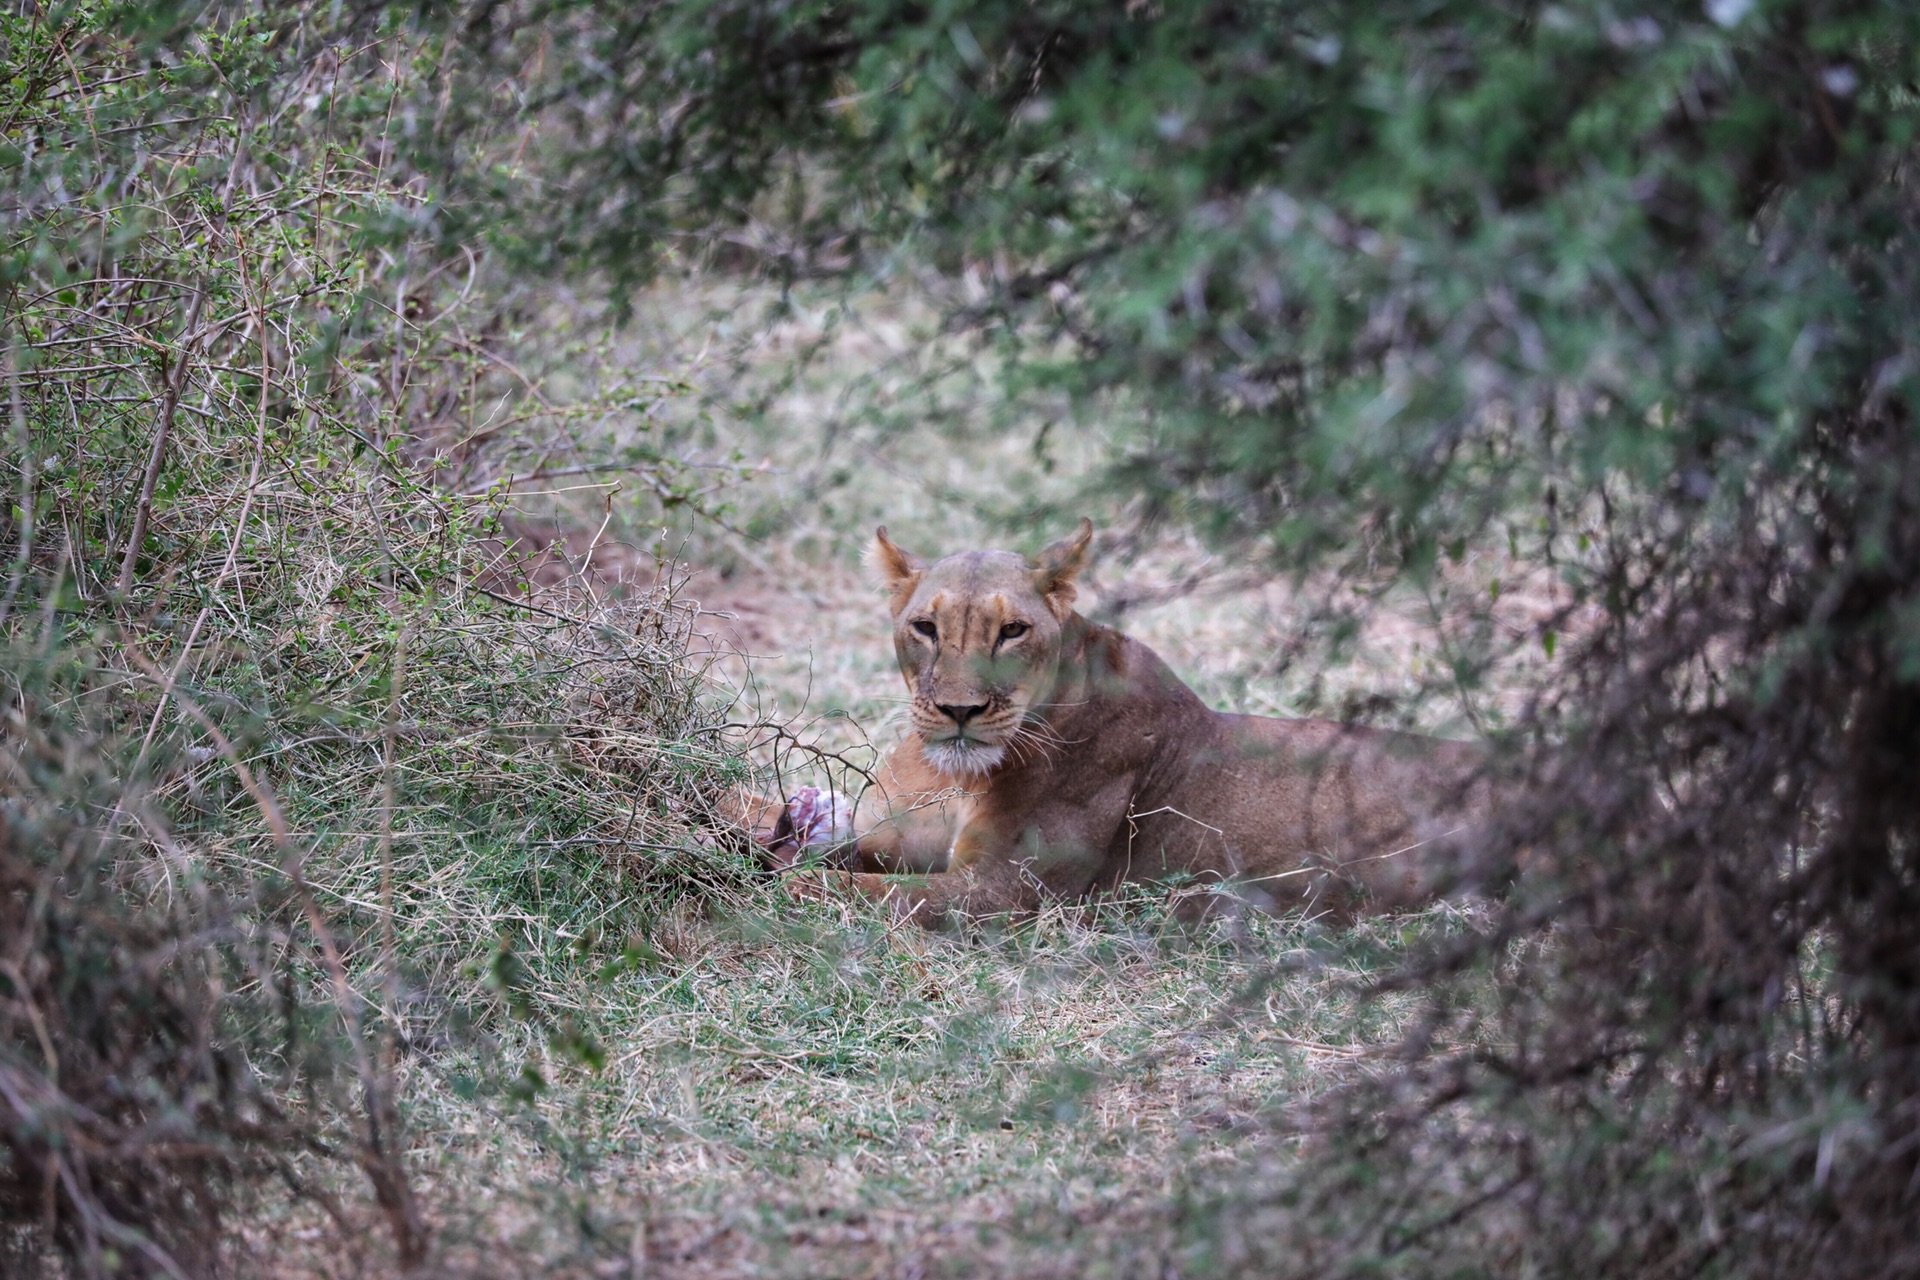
{"x":963,"y":759}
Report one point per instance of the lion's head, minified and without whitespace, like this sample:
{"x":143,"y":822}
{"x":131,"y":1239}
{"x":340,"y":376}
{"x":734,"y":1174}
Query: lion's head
{"x":978,"y":636}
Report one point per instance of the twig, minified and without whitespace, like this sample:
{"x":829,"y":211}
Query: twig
{"x":378,"y":1161}
{"x":24,"y":444}
{"x":169,"y":406}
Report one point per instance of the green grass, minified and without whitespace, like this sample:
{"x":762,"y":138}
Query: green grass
{"x":743,"y":1083}
{"x":618,"y":1046}
{"x":804,"y":1090}
{"x":349,"y":809}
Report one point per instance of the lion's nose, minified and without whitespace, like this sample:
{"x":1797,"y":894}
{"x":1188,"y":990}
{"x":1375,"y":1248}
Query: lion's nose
{"x":960,"y":715}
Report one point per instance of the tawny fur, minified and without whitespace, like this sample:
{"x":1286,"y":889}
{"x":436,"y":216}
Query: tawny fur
{"x":1082,"y":761}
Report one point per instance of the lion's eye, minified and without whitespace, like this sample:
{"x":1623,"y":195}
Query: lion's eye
{"x":1014,"y":630}
{"x":926,"y":629}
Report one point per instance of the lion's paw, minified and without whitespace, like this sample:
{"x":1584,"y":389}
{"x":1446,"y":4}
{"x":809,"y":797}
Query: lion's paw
{"x":814,"y":886}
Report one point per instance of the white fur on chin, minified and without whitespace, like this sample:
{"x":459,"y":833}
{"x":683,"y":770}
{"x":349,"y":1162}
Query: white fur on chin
{"x":963,"y":759}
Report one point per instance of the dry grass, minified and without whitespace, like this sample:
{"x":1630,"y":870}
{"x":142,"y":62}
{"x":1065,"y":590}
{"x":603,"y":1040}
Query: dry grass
{"x":465,"y":800}
{"x":616,"y":1051}
{"x":803,"y":1089}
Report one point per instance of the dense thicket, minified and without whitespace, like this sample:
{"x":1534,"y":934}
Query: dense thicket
{"x":284,"y":747}
{"x":1626,"y":292}
{"x":1628,"y":289}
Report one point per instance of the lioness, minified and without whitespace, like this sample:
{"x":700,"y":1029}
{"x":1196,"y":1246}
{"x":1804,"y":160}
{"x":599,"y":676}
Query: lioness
{"x":1050,"y":757}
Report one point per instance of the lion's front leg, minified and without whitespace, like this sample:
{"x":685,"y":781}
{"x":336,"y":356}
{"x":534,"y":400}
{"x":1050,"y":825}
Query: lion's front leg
{"x":934,"y":901}
{"x":1008,"y":879}
{"x":1001,"y":863}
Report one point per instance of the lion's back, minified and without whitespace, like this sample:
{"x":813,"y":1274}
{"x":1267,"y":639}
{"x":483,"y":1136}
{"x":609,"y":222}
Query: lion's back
{"x":1317,"y":809}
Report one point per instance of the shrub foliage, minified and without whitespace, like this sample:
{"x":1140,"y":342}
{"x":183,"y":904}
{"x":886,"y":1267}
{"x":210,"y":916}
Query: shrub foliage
{"x":289,"y":746}
{"x":1625,"y":294}
{"x":1625,"y":291}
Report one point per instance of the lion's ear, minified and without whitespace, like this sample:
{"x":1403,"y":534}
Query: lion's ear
{"x":1059,"y":565}
{"x":899,"y":570}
